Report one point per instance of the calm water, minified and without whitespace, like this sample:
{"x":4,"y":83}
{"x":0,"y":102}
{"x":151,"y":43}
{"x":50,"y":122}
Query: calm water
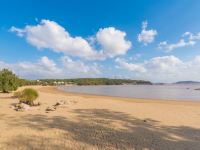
{"x":163,"y":92}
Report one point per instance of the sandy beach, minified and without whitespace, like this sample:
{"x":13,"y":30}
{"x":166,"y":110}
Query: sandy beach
{"x":99,"y":122}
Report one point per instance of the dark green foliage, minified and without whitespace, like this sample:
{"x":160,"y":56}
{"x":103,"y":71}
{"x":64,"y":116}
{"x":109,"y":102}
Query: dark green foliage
{"x":23,"y":82}
{"x":106,"y":81}
{"x":27,"y":96}
{"x":93,"y":81}
{"x":8,"y":81}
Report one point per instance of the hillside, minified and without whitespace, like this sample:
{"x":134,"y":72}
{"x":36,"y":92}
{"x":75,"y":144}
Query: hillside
{"x":187,"y":82}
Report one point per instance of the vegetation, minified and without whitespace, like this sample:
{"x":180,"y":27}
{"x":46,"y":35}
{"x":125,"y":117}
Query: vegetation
{"x":106,"y":81}
{"x":27,"y":96}
{"x":8,"y":81}
{"x":92,"y":81}
{"x":17,"y":94}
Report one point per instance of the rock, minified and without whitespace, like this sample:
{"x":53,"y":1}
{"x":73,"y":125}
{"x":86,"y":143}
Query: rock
{"x":37,"y":104}
{"x":25,"y":106}
{"x":21,"y":107}
{"x":51,"y":108}
{"x":60,"y":103}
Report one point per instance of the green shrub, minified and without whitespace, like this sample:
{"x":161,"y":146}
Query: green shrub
{"x":27,"y":96}
{"x":17,"y":94}
{"x":8,"y":81}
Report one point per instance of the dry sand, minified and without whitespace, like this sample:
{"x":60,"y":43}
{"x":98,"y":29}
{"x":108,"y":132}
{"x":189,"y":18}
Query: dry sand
{"x":99,"y":122}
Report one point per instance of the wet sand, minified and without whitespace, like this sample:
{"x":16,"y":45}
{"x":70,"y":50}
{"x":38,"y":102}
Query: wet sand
{"x":99,"y":122}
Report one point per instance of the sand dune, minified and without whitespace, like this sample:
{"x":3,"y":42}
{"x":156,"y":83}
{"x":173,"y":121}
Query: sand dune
{"x":99,"y":122}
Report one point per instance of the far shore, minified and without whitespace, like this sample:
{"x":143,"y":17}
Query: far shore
{"x":99,"y":122}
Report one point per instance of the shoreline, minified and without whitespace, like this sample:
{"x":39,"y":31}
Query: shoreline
{"x":125,"y":98}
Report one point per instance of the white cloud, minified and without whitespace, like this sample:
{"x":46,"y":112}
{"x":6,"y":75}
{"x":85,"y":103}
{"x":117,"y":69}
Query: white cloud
{"x":191,"y":36}
{"x":138,"y":68}
{"x":170,"y":47}
{"x":50,"y":35}
{"x":19,"y":32}
{"x":188,"y":39}
{"x":163,"y":69}
{"x":43,"y":68}
{"x":165,"y":64}
{"x":47,"y":68}
{"x":79,"y":66}
{"x":146,"y":36}
{"x":113,"y":41}
{"x":196,"y":60}
{"x":48,"y":64}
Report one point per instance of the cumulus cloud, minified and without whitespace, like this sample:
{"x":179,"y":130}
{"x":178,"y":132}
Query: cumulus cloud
{"x":48,"y":64}
{"x":187,"y":39}
{"x":138,"y":68}
{"x":50,"y":35}
{"x":43,"y":68}
{"x":47,"y":68}
{"x":146,"y":36}
{"x":79,"y":66}
{"x":165,"y":64}
{"x":112,"y":41}
{"x":163,"y":69}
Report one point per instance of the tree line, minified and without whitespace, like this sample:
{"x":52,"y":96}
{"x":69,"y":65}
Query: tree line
{"x":10,"y":82}
{"x":93,"y":81}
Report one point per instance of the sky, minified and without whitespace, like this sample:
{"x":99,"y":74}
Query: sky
{"x":150,"y":40}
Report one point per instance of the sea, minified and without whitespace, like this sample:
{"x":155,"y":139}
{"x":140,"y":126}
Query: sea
{"x":183,"y":92}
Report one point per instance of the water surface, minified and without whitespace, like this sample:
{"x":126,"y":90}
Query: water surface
{"x":162,"y":92}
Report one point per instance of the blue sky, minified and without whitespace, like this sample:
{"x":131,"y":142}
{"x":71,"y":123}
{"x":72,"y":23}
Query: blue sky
{"x":140,"y":39}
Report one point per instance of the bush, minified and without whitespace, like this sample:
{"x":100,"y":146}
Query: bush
{"x":8,"y":81}
{"x":27,"y":96}
{"x":17,"y":94}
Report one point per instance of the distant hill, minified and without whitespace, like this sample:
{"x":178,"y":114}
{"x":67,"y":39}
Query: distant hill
{"x":160,"y":83}
{"x":187,"y":82}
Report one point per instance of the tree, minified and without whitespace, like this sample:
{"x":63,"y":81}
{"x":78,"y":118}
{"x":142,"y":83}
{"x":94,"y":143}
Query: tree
{"x":8,"y":81}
